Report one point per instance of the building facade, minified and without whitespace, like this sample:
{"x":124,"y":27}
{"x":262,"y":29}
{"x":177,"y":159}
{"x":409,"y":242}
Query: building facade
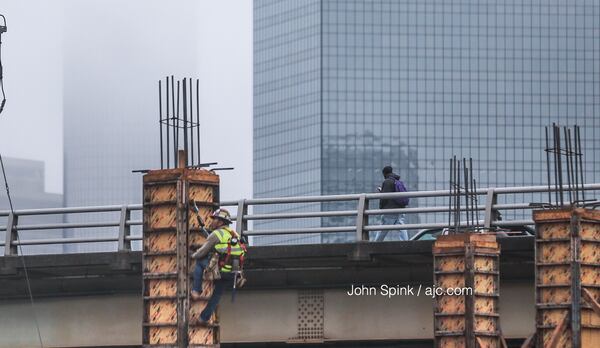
{"x":343,"y":88}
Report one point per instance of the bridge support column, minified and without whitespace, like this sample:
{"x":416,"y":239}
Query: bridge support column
{"x":466,"y":271}
{"x":567,"y":258}
{"x":170,"y":233}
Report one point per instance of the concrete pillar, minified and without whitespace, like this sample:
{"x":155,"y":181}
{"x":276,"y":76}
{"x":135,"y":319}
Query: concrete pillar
{"x":170,"y":234}
{"x":468,"y":262}
{"x":567,"y":257}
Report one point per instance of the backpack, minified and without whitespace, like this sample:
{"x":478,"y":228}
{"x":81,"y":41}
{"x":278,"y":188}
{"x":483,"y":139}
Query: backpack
{"x":399,"y":186}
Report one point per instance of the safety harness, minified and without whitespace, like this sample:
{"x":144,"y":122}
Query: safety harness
{"x":230,"y":249}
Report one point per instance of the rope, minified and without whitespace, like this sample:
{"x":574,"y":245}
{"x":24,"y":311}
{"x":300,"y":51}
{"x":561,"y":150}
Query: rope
{"x":22,"y":256}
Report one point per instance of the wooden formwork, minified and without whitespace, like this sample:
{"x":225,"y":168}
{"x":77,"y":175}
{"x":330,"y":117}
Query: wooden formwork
{"x":567,"y":258}
{"x":170,"y":234}
{"x":467,"y":261}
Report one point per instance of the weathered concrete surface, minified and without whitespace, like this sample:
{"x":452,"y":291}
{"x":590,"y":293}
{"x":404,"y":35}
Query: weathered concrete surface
{"x":262,"y":316}
{"x":95,"y":299}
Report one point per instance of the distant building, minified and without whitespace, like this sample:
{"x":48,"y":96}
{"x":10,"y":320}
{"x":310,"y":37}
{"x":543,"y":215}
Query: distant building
{"x":111,"y":75}
{"x":342,"y":88}
{"x":26,"y":181}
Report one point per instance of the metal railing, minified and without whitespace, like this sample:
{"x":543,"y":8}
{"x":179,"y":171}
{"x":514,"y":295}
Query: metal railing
{"x":123,"y":237}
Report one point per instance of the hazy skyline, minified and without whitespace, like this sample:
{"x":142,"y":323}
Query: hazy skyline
{"x":33,"y":56}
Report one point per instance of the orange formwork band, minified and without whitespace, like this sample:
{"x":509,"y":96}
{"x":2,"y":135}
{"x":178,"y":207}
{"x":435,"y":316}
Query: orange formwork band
{"x":467,"y":264}
{"x":170,"y":235}
{"x":567,"y":259}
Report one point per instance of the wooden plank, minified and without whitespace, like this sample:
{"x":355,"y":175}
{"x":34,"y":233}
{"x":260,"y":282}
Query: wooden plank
{"x":163,"y":335}
{"x":486,"y":263}
{"x":162,"y":312}
{"x":486,"y":305}
{"x":160,"y":264}
{"x":555,"y":275}
{"x":485,"y":284}
{"x":590,"y":231}
{"x":160,"y":242}
{"x":163,"y":217}
{"x":554,"y":252}
{"x":558,"y":335}
{"x":161,"y":287}
{"x":452,"y":342}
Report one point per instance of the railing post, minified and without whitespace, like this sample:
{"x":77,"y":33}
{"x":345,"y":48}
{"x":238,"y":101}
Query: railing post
{"x":361,"y":219}
{"x":241,"y":225}
{"x":124,"y":230}
{"x":491,"y":214}
{"x":11,"y":235}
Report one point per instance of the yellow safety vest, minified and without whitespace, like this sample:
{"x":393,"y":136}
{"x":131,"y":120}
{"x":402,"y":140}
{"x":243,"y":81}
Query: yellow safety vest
{"x":223,"y":247}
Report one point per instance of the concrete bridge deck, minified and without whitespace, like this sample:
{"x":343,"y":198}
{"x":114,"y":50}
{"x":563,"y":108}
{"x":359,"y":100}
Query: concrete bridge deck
{"x":95,"y":299}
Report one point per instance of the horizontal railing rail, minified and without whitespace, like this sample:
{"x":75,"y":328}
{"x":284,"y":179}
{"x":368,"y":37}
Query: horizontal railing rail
{"x":490,"y":216}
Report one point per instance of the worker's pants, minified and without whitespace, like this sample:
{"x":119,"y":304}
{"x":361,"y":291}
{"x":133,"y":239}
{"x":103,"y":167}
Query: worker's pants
{"x":392,"y":219}
{"x":219,"y":286}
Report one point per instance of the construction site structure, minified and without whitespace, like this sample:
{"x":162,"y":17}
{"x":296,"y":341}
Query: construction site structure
{"x":567,"y":261}
{"x":170,"y":236}
{"x":468,"y":265}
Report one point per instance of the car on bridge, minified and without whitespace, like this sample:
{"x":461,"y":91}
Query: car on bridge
{"x":504,"y":231}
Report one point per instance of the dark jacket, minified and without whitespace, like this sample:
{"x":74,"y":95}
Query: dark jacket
{"x":389,"y":185}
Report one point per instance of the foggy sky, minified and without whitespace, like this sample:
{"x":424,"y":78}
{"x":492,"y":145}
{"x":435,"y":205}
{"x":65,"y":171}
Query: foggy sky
{"x":33,"y":56}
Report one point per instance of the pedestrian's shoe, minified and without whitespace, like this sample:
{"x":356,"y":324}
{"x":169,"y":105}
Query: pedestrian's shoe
{"x":195,"y":295}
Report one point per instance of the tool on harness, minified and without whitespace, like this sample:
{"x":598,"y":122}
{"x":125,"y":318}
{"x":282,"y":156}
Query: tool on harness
{"x":237,"y":264}
{"x":212,"y":271}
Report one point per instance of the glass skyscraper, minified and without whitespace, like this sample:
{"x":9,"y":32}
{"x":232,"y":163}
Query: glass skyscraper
{"x":342,"y":88}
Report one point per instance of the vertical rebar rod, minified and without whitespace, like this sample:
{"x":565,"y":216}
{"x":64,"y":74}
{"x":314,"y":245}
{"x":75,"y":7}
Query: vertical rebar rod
{"x":476,"y":204}
{"x":198,"y":117}
{"x":177,"y":126}
{"x":466,"y":175}
{"x":574,"y":168}
{"x":557,"y":166}
{"x":457,"y":198}
{"x":174,"y":125}
{"x":560,"y":171}
{"x":450,"y":195}
{"x":160,"y":125}
{"x":473,"y":192}
{"x":575,"y":158}
{"x":568,"y":158}
{"x":191,"y":124}
{"x":548,"y":168}
{"x":580,"y":160}
{"x":168,"y":126}
{"x":185,"y":121}
{"x":454,"y":194}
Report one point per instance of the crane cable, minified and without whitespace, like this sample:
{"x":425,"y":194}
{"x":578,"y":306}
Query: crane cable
{"x":2,"y":30}
{"x":9,"y":230}
{"x":12,"y":211}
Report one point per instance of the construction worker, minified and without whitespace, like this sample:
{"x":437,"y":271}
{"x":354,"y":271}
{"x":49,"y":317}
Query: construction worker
{"x":225,"y":242}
